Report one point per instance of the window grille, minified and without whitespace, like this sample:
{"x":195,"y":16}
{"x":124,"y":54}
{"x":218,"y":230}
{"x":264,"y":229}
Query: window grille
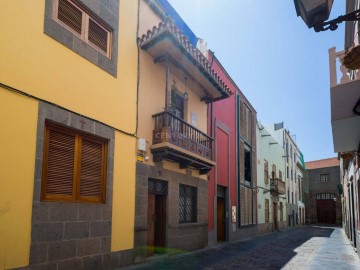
{"x":325,"y":196}
{"x":324,"y":178}
{"x":187,"y":204}
{"x":158,"y":187}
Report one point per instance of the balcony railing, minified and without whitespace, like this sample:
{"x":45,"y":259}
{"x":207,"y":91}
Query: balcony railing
{"x":171,"y":129}
{"x":339,"y":74}
{"x":277,"y":187}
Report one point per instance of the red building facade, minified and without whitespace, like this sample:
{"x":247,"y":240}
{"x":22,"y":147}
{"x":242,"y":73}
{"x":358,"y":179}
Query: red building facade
{"x":232,"y":182}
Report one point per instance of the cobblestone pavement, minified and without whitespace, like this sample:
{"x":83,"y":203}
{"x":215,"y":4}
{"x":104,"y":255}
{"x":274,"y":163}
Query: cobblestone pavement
{"x":308,"y":247}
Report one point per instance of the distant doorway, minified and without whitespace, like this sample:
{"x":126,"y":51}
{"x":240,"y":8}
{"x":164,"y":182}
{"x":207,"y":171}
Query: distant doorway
{"x":156,"y":217}
{"x":220,"y":219}
{"x":325,"y":208}
{"x":274,"y":216}
{"x":220,"y":214}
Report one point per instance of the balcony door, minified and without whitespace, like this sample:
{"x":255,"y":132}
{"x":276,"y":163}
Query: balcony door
{"x":177,"y":104}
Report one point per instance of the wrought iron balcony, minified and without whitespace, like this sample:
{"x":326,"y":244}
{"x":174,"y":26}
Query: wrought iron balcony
{"x":277,"y":187}
{"x":176,"y":140}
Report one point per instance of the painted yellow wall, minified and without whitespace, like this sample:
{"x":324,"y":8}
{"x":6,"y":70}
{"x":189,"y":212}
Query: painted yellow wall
{"x":35,"y":63}
{"x":18,"y":118}
{"x":32,"y":61}
{"x":123,"y":213}
{"x":152,"y":91}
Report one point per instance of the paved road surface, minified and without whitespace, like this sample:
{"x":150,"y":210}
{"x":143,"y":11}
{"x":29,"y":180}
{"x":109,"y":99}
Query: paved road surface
{"x":308,"y":247}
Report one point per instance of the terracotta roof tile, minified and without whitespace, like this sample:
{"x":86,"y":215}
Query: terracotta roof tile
{"x":202,"y":61}
{"x":322,"y":163}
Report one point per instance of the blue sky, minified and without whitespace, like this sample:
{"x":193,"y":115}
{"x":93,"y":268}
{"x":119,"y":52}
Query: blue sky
{"x":279,"y":64}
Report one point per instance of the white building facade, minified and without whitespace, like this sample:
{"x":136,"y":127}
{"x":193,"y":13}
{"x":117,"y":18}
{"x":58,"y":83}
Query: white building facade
{"x":293,"y":167}
{"x":271,"y":185}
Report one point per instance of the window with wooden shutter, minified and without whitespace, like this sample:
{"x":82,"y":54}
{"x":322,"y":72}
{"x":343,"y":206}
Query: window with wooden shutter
{"x":74,"y":166}
{"x":273,"y":172}
{"x":266,"y":172}
{"x":267,"y":212}
{"x":77,"y":19}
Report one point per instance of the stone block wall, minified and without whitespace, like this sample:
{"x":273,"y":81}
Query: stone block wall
{"x":189,"y":236}
{"x":71,"y":235}
{"x":108,"y":12}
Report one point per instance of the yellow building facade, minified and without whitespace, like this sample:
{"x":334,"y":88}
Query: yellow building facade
{"x":175,"y":153}
{"x":68,"y":69}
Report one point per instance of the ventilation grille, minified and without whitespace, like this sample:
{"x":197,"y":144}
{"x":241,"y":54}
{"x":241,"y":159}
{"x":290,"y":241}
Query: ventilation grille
{"x":60,"y":166}
{"x":70,"y":15}
{"x":91,"y":168}
{"x":98,"y":36}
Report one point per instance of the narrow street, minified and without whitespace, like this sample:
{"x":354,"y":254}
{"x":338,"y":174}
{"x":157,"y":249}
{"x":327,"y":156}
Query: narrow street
{"x":308,"y":247}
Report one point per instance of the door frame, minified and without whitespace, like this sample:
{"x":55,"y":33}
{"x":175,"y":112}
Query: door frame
{"x":158,"y":187}
{"x":275,"y":216}
{"x":222,"y":192}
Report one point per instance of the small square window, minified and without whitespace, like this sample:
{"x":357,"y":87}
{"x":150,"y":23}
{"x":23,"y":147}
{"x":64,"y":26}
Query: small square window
{"x":324,"y":178}
{"x":78,"y":20}
{"x":187,"y":204}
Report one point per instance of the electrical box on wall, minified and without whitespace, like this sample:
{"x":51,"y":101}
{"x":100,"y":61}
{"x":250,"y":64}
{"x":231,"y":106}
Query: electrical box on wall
{"x":141,"y":144}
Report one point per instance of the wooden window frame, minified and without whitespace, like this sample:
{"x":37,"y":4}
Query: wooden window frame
{"x":79,"y":136}
{"x":86,"y":16}
{"x":324,"y":177}
{"x":267,"y":210}
{"x":273,"y":171}
{"x":266,"y":172}
{"x":248,"y":168}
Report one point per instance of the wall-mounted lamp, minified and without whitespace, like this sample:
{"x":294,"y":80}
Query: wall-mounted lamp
{"x":315,"y":14}
{"x":186,"y":95}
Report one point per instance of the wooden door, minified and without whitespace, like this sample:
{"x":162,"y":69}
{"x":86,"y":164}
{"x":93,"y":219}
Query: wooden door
{"x":220,"y":219}
{"x":274,"y":210}
{"x":160,"y":224}
{"x":325,"y":211}
{"x":151,"y":224}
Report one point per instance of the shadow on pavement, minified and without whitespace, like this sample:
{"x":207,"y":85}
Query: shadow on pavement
{"x":272,"y":251}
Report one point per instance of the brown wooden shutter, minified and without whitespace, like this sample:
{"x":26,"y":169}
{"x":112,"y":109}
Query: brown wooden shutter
{"x":91,"y":168}
{"x":267,"y":214}
{"x":59,"y":166}
{"x":70,"y":15}
{"x":98,"y":35}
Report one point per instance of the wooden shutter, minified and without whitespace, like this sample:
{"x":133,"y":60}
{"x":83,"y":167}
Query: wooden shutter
{"x":92,"y":169}
{"x":267,"y":214}
{"x":98,"y":36}
{"x":74,"y":166}
{"x":266,"y":172}
{"x":69,"y":14}
{"x":59,"y":162}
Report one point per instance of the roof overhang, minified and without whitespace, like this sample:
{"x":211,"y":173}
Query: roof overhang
{"x":345,"y":124}
{"x":167,"y":41}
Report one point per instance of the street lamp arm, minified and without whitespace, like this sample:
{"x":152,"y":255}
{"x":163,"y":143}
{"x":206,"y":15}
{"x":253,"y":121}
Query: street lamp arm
{"x":333,"y":24}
